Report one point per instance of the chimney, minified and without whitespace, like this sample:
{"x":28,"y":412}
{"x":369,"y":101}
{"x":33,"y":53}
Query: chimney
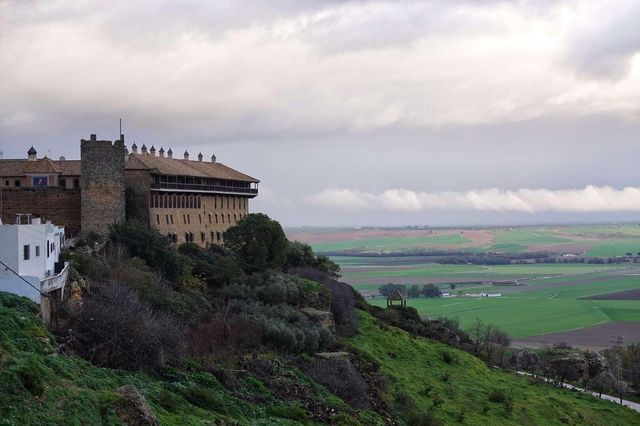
{"x":186,"y":154}
{"x":161,"y":152}
{"x":93,"y":138}
{"x":153,"y":150}
{"x":170,"y":153}
{"x":200,"y":157}
{"x":134,"y":148}
{"x":144,"y":149}
{"x":213,"y":158}
{"x":32,"y":154}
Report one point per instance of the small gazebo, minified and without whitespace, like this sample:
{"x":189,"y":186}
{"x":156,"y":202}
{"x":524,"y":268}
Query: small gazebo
{"x":396,"y":296}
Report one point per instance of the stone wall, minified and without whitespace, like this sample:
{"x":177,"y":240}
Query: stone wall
{"x":102,"y":184}
{"x":60,"y":206}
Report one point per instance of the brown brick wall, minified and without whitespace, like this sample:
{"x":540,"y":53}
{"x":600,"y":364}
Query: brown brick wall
{"x":60,"y":206}
{"x":102,"y":184}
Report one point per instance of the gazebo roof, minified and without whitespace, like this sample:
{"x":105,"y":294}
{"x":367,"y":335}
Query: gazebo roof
{"x":396,"y":295}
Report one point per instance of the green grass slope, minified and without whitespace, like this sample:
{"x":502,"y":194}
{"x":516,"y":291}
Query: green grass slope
{"x":40,"y":386}
{"x":456,"y":387}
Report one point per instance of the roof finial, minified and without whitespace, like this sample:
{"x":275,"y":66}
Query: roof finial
{"x":186,"y":154}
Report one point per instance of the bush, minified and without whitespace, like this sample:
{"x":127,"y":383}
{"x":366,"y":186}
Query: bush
{"x":151,"y":246}
{"x":115,"y":328}
{"x":167,"y":400}
{"x":498,"y":395}
{"x":32,"y":376}
{"x":291,"y":412}
{"x":341,"y":378}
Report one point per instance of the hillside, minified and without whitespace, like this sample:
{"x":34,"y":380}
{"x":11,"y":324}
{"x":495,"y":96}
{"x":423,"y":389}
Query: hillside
{"x":258,"y":332}
{"x":40,"y":384}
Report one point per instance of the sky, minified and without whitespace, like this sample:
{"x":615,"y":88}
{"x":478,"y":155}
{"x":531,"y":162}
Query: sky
{"x":350,"y":113}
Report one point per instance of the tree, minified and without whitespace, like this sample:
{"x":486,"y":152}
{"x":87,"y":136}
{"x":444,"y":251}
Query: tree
{"x":151,"y":246}
{"x":259,"y":241}
{"x":453,"y":286}
{"x":430,"y":290}
{"x":413,"y":291}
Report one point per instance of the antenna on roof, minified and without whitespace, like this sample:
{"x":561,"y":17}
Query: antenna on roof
{"x":120,"y":127}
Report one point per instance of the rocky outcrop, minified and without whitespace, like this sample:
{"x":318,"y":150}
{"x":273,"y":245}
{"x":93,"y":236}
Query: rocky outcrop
{"x":133,"y":409}
{"x":323,"y":318}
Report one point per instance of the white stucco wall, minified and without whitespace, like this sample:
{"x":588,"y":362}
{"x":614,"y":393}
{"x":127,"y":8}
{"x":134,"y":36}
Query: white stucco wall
{"x":13,"y":239}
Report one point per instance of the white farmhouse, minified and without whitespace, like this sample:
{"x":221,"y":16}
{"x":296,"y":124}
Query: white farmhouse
{"x":33,"y":251}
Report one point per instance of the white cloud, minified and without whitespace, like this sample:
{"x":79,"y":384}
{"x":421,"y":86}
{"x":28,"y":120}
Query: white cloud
{"x":587,"y":200}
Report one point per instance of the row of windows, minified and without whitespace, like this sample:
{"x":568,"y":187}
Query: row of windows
{"x":61,"y":182}
{"x":186,"y":218}
{"x":189,"y":237}
{"x":26,"y":250}
{"x":176,"y":201}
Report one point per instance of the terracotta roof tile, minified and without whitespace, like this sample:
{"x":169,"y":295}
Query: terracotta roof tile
{"x":43,"y":165}
{"x":175,"y":167}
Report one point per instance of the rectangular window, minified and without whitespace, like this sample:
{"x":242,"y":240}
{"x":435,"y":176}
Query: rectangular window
{"x":184,"y":218}
{"x":202,"y":237}
{"x":158,"y":219}
{"x":62,"y":183}
{"x":17,"y":183}
{"x":26,"y":252}
{"x":212,"y":236}
{"x":37,"y":251}
{"x":209,"y":218}
{"x":167,"y":218}
{"x":189,"y":219}
{"x":171,"y":216}
{"x":200,"y":218}
{"x":76,"y":183}
{"x":218,"y":236}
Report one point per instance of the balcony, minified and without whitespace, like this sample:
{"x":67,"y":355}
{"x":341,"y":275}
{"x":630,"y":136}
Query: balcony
{"x":194,"y":187}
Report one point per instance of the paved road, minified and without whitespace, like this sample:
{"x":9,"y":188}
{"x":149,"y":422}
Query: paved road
{"x":633,"y":405}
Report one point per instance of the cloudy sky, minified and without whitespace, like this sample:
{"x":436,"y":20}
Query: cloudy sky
{"x":350,"y":112}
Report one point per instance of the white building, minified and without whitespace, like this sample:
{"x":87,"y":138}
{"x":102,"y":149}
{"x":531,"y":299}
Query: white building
{"x":33,"y":251}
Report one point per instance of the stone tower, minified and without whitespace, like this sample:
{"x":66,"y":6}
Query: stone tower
{"x":101,"y":184}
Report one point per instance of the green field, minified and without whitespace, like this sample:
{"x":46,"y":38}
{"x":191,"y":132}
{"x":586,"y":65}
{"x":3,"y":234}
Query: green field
{"x":477,"y":272}
{"x":535,"y":310}
{"x":538,"y":311}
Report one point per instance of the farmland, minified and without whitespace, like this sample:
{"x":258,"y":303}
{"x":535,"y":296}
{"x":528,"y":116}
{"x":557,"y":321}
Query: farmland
{"x":581,"y":301}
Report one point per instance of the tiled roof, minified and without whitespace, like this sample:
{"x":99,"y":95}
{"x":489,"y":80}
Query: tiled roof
{"x":175,"y":167}
{"x":43,"y":165}
{"x":396,"y":295}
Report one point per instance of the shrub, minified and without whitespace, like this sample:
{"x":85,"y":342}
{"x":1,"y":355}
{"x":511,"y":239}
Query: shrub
{"x":32,"y":376}
{"x":205,"y":398}
{"x":341,"y":378}
{"x":291,"y":412}
{"x":149,"y":244}
{"x":167,"y":400}
{"x":497,"y":395}
{"x":115,"y":328}
{"x":448,"y":357}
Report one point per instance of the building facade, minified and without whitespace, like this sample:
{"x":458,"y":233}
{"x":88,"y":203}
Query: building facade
{"x":187,"y":200}
{"x":32,"y":250}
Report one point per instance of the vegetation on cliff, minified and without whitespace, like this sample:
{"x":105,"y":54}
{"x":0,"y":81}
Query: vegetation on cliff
{"x":218,"y":338}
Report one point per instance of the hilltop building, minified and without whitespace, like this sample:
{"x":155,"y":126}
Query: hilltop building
{"x":187,"y":200}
